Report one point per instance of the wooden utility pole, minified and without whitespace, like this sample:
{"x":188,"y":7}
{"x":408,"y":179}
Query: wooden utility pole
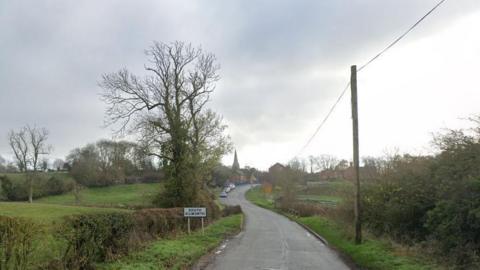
{"x":356,"y":162}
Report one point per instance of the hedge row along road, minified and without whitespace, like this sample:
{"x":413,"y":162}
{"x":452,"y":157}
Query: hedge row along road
{"x":271,"y":241}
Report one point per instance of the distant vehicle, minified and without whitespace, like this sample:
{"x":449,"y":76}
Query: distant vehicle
{"x":232,"y":186}
{"x":228,"y":189}
{"x":223,"y":194}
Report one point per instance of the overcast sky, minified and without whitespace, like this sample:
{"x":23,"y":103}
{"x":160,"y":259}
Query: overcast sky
{"x":283,"y":65}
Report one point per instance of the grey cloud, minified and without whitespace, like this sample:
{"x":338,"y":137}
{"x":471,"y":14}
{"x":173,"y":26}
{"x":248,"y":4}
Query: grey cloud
{"x":54,"y":52}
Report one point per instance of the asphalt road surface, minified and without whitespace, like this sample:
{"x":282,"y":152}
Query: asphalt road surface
{"x":271,"y":241}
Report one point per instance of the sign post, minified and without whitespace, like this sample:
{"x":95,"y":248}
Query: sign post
{"x":195,"y":212}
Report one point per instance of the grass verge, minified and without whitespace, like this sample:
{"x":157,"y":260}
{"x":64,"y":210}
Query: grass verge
{"x":372,"y":254}
{"x":256,"y":196}
{"x":179,"y":252}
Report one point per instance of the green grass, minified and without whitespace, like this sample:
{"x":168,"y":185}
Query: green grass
{"x":112,"y":196}
{"x":329,"y":188}
{"x":46,"y":213}
{"x":47,"y":216}
{"x":259,"y":198}
{"x":371,"y":254}
{"x":320,"y":198}
{"x":180,"y":252}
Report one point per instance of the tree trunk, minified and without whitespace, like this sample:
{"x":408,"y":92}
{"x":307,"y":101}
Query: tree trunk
{"x":30,"y":191}
{"x":76,"y":193}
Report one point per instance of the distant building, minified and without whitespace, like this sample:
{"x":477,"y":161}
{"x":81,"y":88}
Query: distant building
{"x":277,"y":167}
{"x":238,"y":176}
{"x":346,"y":174}
{"x":236,"y":165}
{"x":274,"y":173}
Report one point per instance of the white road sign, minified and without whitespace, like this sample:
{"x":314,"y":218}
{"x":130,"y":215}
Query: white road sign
{"x":195,"y":212}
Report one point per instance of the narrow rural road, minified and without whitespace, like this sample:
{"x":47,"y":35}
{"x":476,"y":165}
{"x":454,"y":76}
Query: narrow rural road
{"x":271,"y":241}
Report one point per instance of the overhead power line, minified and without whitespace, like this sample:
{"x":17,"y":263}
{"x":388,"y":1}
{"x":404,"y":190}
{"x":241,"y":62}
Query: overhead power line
{"x":325,"y":119}
{"x":401,"y":36}
{"x":342,"y":94}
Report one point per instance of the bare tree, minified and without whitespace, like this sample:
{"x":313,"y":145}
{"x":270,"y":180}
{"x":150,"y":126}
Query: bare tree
{"x":325,"y":162}
{"x":168,"y":107}
{"x":28,"y":145}
{"x":18,"y":141}
{"x":312,"y":163}
{"x":38,"y":144}
{"x":342,"y":165}
{"x":58,"y":164}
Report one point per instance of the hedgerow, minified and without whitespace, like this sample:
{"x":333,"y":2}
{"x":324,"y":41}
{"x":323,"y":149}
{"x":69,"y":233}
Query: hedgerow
{"x":17,"y":237}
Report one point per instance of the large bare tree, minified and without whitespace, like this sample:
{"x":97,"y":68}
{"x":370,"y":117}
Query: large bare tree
{"x":168,"y":107}
{"x":28,"y":145}
{"x":18,"y":141}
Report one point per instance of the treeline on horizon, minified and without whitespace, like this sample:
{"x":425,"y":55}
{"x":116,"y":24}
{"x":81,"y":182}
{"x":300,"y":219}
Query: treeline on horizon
{"x":99,"y":164}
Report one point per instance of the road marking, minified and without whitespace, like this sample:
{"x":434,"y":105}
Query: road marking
{"x":221,"y":248}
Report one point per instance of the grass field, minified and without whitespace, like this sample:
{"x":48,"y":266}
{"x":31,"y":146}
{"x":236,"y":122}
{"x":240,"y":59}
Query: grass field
{"x":180,"y":252}
{"x":46,"y":213}
{"x":333,"y":188}
{"x":327,"y":199}
{"x":113,"y":196}
{"x":324,"y":193}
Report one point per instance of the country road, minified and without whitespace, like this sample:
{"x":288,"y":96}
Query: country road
{"x":271,"y":241}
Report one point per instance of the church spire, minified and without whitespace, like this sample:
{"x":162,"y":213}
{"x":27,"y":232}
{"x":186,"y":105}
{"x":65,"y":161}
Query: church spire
{"x":235,"y":165}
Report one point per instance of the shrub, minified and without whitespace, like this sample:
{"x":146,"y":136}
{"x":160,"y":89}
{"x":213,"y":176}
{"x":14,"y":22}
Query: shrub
{"x":132,"y":180}
{"x":16,"y":242}
{"x":14,"y":191}
{"x":105,"y":236}
{"x":455,"y":224}
{"x":397,"y":204}
{"x":56,"y":186}
{"x":95,"y":237}
{"x":7,"y":188}
{"x":158,"y":222}
{"x":304,"y":209}
{"x":101,"y":237}
{"x":231,"y":210}
{"x":152,"y":177}
{"x":207,"y":199}
{"x":42,"y":186}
